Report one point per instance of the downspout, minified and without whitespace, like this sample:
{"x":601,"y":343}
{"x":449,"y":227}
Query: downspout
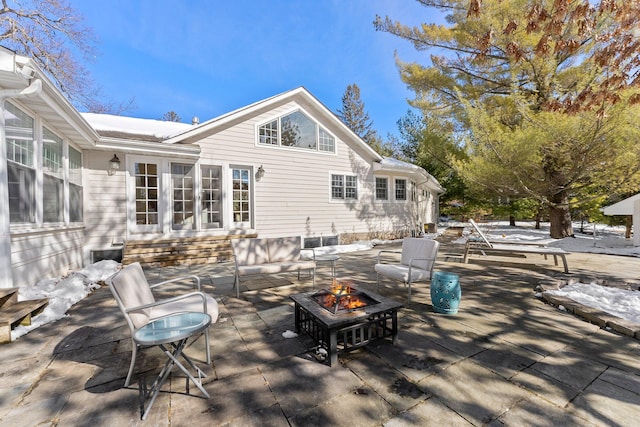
{"x":6,"y":275}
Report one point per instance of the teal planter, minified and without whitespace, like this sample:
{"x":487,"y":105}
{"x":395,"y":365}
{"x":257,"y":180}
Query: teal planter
{"x":445,"y":292}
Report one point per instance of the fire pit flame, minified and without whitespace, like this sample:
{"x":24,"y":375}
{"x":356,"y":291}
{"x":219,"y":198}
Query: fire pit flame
{"x":342,"y":297}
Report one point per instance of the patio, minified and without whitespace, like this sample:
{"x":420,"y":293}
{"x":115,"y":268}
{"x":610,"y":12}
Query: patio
{"x":505,"y":358}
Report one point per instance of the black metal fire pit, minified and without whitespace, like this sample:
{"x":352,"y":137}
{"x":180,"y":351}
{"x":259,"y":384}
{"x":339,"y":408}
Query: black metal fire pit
{"x":339,"y":330}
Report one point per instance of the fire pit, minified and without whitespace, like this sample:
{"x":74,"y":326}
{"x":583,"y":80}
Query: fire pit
{"x":343,"y":318}
{"x":343,"y":297}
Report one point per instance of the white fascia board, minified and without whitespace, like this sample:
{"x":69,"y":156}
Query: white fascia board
{"x":210,"y":125}
{"x":149,"y":148}
{"x":71,"y":116}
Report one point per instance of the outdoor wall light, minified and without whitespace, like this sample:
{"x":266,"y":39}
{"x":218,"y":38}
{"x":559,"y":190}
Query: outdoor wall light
{"x":114,"y":164}
{"x":260,"y":173}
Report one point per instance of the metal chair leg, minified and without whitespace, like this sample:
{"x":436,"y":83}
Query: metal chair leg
{"x":207,"y":345}
{"x":134,"y":353}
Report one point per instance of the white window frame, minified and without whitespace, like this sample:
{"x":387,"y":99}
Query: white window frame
{"x":74,"y":180}
{"x":162,"y":201}
{"x":30,"y":167}
{"x":192,"y":200}
{"x":58,"y":177}
{"x":278,"y":138}
{"x":375,"y":188}
{"x":344,"y":187}
{"x":244,"y":225}
{"x":222,"y":182}
{"x":395,"y":189}
{"x":36,"y":167}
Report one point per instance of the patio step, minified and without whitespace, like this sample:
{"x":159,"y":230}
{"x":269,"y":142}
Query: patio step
{"x":186,"y":250}
{"x":7,"y":294}
{"x":14,"y":313}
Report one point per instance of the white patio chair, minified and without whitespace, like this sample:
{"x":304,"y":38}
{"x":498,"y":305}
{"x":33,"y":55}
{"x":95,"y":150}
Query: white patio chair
{"x":136,"y":301}
{"x":416,"y":262}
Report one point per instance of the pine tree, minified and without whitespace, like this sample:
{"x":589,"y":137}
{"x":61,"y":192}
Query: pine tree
{"x":541,"y":94}
{"x":356,"y":118}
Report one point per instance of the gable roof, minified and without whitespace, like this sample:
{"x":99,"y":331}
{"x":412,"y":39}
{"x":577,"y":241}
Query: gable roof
{"x":150,"y":134}
{"x":300,"y":94}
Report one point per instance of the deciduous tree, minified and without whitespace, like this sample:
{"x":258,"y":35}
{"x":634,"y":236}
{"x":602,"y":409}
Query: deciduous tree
{"x":54,"y":36}
{"x":543,"y":92}
{"x":171,"y":116}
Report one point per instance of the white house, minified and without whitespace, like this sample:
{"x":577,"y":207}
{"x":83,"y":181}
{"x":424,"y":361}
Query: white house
{"x":628,"y":206}
{"x":73,"y":185}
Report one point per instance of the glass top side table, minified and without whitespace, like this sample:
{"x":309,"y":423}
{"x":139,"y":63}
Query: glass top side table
{"x":173,"y":331}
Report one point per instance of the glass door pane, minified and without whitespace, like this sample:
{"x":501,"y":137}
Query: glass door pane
{"x":182,"y":196}
{"x":211,"y":201}
{"x":240,"y":184}
{"x":147,"y":190}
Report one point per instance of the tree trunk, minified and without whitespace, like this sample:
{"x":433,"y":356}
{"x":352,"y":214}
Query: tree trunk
{"x":512,"y":220}
{"x":628,"y":225}
{"x":560,"y":216}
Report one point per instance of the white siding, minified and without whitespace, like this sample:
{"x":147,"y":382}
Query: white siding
{"x":105,"y":206}
{"x":45,"y":254}
{"x":294,"y":196}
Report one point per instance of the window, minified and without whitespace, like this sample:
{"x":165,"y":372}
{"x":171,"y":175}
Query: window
{"x":241,"y":196}
{"x":382,"y":188}
{"x":325,"y":141}
{"x":21,"y":173}
{"x":337,"y":186}
{"x":401,"y":189}
{"x":413,"y":191}
{"x":75,"y":185}
{"x":146,"y":181}
{"x":211,"y":205}
{"x":344,"y":187}
{"x":182,"y":193}
{"x":53,"y":180}
{"x":298,"y":131}
{"x":269,"y":133}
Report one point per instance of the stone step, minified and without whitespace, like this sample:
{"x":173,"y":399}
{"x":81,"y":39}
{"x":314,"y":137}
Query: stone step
{"x":14,"y":313}
{"x":179,"y":251}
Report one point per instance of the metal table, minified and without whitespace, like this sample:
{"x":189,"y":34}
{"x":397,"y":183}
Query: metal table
{"x":174,"y":331}
{"x":329,"y":258}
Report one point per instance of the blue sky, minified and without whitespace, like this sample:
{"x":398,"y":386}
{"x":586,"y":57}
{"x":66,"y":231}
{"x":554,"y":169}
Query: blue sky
{"x":206,"y":58}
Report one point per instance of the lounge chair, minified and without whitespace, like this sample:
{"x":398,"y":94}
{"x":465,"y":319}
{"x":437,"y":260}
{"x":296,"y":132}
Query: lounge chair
{"x":416,"y":261}
{"x":484,"y":245}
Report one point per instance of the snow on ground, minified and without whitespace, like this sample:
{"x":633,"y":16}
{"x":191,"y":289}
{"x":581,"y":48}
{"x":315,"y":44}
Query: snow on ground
{"x":606,"y":240}
{"x":618,"y":302}
{"x":62,"y":293}
{"x":65,"y":291}
{"x":594,"y":238}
